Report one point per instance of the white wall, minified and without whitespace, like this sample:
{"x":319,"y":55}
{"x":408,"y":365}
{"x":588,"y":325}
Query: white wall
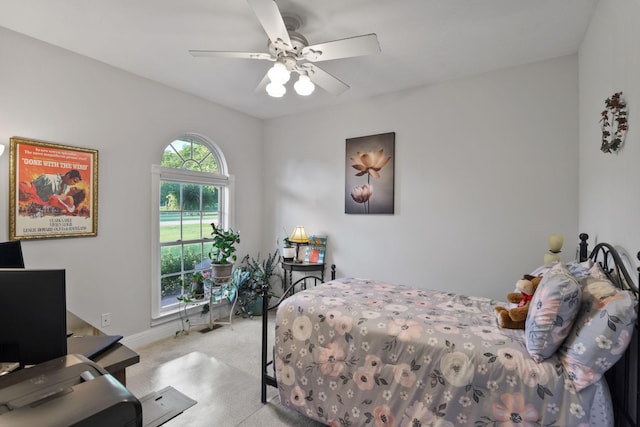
{"x":50,"y":94}
{"x":609,"y":63}
{"x":486,"y":167}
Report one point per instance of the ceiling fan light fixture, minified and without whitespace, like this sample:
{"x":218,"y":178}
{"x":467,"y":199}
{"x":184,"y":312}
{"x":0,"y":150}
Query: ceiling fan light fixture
{"x":276,"y":90}
{"x":279,"y":74}
{"x":304,"y":86}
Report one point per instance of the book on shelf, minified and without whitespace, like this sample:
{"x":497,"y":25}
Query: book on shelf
{"x":316,"y":249}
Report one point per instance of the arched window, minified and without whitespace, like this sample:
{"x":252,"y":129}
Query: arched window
{"x":191,"y":190}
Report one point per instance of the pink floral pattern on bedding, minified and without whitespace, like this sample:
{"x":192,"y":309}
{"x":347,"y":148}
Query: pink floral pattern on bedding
{"x":355,"y":352}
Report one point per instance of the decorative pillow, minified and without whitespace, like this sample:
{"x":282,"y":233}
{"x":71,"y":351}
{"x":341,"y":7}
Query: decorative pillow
{"x":543,"y":269}
{"x":601,"y":332}
{"x":580,"y":270}
{"x":552,"y":311}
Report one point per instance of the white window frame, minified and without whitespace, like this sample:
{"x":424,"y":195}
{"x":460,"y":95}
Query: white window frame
{"x":226,"y":204}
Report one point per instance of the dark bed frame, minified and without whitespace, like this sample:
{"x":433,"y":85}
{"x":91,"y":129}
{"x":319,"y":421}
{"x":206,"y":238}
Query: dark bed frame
{"x":268,"y":379}
{"x":623,"y":378}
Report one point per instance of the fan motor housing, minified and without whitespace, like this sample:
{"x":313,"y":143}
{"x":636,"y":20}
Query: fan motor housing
{"x":298,"y":42}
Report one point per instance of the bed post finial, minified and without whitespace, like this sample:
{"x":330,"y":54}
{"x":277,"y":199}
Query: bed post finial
{"x":583,"y":246}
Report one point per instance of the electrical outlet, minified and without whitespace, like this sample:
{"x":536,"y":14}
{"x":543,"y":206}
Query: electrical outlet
{"x":106,"y":319}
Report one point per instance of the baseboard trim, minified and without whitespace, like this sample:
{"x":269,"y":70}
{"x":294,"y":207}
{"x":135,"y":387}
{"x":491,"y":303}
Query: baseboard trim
{"x":160,"y":330}
{"x":155,"y":333}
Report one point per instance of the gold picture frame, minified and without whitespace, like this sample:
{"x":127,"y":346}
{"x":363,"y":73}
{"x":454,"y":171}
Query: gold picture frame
{"x":53,"y":190}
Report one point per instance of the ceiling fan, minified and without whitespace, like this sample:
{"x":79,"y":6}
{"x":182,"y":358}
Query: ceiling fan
{"x":291,"y":53}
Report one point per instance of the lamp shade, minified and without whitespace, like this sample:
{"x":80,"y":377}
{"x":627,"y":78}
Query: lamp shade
{"x":304,"y":86}
{"x":299,"y":235}
{"x":279,"y":73}
{"x":1,"y":149}
{"x":276,"y":90}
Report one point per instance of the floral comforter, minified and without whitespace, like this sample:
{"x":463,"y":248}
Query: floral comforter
{"x":357,"y":352}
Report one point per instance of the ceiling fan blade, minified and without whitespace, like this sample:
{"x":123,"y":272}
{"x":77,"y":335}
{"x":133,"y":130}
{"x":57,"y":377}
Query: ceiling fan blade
{"x":344,"y":48}
{"x":263,"y":84}
{"x":325,"y":80}
{"x":224,"y":54}
{"x":271,"y":20}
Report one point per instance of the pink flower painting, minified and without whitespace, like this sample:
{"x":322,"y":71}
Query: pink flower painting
{"x":370,"y":174}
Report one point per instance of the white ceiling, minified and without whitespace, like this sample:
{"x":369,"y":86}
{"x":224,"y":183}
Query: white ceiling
{"x":422,"y":41}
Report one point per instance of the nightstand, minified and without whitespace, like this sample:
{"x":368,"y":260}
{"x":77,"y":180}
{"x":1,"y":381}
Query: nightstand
{"x":307,"y":268}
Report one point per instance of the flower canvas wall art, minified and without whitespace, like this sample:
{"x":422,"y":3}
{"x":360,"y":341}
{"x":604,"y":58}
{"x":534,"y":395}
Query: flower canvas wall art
{"x":369,"y":174}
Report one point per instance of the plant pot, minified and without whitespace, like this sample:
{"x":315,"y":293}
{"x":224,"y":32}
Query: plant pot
{"x":255,"y":308}
{"x":197,"y":290}
{"x":288,"y":253}
{"x":221,"y":273}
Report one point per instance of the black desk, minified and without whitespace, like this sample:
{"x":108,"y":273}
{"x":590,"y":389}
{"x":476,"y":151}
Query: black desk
{"x":114,"y":360}
{"x":307,"y":268}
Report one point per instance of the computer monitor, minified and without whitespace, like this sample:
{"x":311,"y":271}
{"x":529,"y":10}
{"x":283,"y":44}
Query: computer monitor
{"x":11,"y":255}
{"x":33,"y":316}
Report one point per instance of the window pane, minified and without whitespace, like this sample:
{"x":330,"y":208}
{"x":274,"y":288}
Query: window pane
{"x":175,"y":154}
{"x":169,"y":212}
{"x":170,"y":259}
{"x":193,"y":256}
{"x":189,"y":154}
{"x":170,"y":159}
{"x":191,"y":226}
{"x":209,"y":164}
{"x":191,"y":165}
{"x":169,"y":227}
{"x":207,"y":219}
{"x":169,"y":196}
{"x":210,"y":198}
{"x":191,"y":197}
{"x":199,"y":151}
{"x":171,"y":288}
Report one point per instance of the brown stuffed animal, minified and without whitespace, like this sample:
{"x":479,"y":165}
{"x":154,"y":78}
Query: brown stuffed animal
{"x":514,"y":318}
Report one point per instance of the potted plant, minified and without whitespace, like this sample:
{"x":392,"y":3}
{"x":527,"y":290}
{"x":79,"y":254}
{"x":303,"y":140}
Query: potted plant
{"x":223,"y":253}
{"x":196,"y":288}
{"x":193,"y":292}
{"x":239,"y":280}
{"x":288,"y":251}
{"x":260,"y":272}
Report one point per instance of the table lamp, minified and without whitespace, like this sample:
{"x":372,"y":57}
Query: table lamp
{"x":299,"y":237}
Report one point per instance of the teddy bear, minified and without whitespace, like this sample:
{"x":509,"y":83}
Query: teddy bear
{"x":515,"y":318}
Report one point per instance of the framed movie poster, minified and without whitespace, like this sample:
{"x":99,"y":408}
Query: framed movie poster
{"x":53,"y":190}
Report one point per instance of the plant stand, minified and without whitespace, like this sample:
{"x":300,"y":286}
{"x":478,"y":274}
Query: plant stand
{"x":213,"y":300}
{"x":224,"y":322}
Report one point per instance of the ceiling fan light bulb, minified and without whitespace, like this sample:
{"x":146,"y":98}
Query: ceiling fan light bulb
{"x":304,"y":86}
{"x":279,"y":73}
{"x":276,"y":90}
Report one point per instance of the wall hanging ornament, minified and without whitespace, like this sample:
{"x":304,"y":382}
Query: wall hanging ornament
{"x":615,"y":114}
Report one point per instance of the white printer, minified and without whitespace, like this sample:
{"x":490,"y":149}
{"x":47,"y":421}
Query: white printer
{"x":68,"y":391}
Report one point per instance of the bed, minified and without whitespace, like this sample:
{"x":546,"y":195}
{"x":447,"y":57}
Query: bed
{"x":354,"y":352}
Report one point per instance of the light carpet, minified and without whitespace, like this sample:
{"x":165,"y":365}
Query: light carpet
{"x":219,"y":369}
{"x":163,"y":405}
